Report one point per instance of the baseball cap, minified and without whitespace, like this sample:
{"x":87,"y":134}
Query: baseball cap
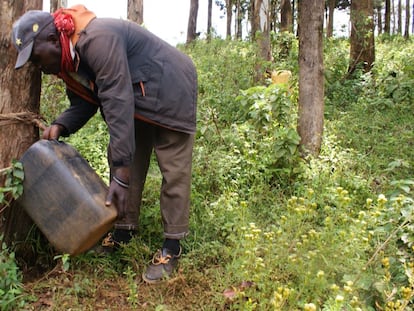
{"x":25,"y":30}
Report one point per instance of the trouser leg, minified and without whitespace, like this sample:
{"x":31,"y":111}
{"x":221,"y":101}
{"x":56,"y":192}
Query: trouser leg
{"x":174,"y":155}
{"x":138,"y":172}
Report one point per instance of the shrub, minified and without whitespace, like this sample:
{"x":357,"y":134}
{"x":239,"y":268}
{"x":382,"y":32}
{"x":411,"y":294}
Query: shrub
{"x":11,"y":289}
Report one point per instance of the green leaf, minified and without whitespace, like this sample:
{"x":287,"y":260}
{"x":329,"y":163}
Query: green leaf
{"x":406,"y":189}
{"x":18,"y":174}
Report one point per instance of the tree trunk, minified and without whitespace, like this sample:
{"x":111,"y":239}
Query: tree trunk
{"x":399,"y":26}
{"x":412,"y":25}
{"x":393,"y":19}
{"x":57,"y":4}
{"x":273,"y":15}
{"x":192,"y":22}
{"x":286,"y":25}
{"x":311,"y":76}
{"x":209,"y":17}
{"x":239,"y":17}
{"x":295,"y":10}
{"x":136,"y":11}
{"x":379,"y":19}
{"x":407,"y":19}
{"x":387,"y":24}
{"x":229,"y":16}
{"x":286,"y":21}
{"x":54,"y":5}
{"x":331,"y":9}
{"x":261,"y":24}
{"x":362,"y":35}
{"x":19,"y":100}
{"x":252,"y":19}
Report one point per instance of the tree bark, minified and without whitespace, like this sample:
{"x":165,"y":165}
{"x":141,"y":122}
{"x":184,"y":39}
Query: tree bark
{"x":393,"y":18}
{"x":399,"y":25}
{"x":286,"y":21}
{"x":54,"y":5}
{"x":209,"y":18}
{"x":253,"y":19}
{"x":239,"y":19}
{"x":412,"y":25}
{"x":407,"y":19}
{"x":136,"y":11}
{"x":331,"y":10}
{"x":19,"y":96}
{"x":379,"y":19}
{"x":362,"y":35}
{"x":261,"y":26}
{"x":274,"y":15}
{"x":387,"y":24}
{"x":311,"y":76}
{"x":57,"y":4}
{"x":295,"y":10}
{"x":229,"y":17}
{"x":192,"y":22}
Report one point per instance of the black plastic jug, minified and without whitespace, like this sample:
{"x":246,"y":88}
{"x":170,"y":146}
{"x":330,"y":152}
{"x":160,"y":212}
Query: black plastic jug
{"x":65,"y":197}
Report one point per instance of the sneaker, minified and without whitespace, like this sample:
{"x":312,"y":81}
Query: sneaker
{"x":162,"y":266}
{"x":109,"y":245}
{"x":113,"y":240}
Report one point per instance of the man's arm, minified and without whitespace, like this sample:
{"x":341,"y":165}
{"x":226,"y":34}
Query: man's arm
{"x":115,"y":92}
{"x":76,"y":116}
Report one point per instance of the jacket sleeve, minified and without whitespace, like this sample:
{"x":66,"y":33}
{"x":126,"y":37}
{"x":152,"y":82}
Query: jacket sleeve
{"x":106,"y":55}
{"x":76,"y":116}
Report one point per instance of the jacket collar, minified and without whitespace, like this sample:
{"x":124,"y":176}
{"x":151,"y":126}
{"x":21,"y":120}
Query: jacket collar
{"x":81,"y":18}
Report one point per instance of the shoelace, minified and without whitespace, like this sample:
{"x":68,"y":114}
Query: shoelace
{"x":158,"y":259}
{"x":108,"y":241}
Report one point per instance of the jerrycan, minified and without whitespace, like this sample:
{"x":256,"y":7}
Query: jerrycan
{"x":65,"y":197}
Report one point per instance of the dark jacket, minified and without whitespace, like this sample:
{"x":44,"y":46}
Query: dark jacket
{"x":135,"y":74}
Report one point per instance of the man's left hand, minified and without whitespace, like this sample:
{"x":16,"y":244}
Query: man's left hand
{"x":118,"y":192}
{"x":118,"y":195}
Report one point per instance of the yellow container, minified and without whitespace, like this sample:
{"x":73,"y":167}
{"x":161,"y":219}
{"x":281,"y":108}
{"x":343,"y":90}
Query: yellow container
{"x":65,"y":197}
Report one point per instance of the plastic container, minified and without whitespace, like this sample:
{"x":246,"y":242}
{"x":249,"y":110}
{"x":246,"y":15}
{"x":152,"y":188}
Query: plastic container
{"x":65,"y":197}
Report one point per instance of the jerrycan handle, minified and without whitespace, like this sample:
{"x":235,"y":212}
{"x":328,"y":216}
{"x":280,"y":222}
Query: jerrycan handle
{"x":56,"y":142}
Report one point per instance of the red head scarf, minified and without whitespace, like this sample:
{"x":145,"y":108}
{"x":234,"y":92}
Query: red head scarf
{"x":65,"y":24}
{"x":66,"y":27}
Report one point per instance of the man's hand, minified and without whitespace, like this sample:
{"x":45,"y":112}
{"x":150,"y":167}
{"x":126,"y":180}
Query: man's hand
{"x":119,"y":196}
{"x":118,"y":191}
{"x":53,"y":132}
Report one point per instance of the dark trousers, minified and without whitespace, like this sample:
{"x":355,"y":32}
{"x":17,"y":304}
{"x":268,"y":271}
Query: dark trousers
{"x":173,"y":151}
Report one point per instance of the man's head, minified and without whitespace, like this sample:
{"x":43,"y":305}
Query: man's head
{"x":36,"y":39}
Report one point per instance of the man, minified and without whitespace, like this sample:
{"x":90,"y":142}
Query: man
{"x":146,"y":91}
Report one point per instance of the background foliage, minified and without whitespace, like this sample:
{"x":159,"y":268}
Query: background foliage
{"x":270,"y":231}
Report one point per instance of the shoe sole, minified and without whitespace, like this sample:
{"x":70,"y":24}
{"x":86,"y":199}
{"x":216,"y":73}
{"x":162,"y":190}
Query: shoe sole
{"x":152,"y":282}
